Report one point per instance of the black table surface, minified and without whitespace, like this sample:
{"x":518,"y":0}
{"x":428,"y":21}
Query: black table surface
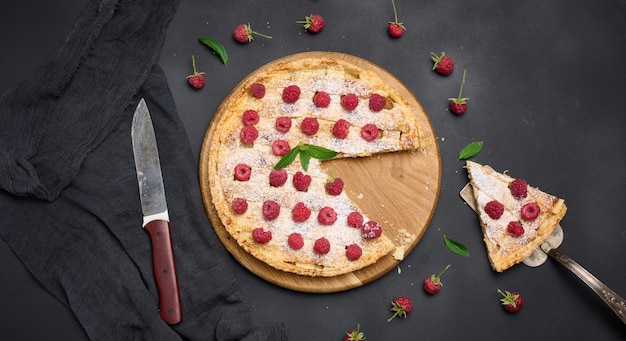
{"x":547,"y":85}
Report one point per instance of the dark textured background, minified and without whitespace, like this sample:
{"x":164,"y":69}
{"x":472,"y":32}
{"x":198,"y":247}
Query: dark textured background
{"x":546,"y":81}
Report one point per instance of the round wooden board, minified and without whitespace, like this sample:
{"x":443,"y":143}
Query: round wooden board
{"x":399,"y":190}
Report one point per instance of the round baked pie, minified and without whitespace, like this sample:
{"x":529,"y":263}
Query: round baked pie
{"x":264,"y":164}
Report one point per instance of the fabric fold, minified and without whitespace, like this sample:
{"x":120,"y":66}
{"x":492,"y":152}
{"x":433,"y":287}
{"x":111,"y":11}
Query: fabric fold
{"x":70,"y":199}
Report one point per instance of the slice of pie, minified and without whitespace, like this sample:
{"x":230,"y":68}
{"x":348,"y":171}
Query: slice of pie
{"x":515,"y":218}
{"x":289,"y":218}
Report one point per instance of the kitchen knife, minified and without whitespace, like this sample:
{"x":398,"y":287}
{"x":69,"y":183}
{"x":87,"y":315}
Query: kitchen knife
{"x":155,"y":216}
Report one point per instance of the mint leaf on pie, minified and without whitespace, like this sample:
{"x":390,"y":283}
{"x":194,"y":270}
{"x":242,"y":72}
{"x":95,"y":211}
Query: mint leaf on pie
{"x":306,"y":152}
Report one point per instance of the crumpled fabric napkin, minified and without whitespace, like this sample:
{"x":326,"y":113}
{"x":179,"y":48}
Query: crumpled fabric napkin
{"x":69,"y":194}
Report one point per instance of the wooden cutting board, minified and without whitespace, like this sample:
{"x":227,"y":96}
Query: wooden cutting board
{"x":399,"y":190}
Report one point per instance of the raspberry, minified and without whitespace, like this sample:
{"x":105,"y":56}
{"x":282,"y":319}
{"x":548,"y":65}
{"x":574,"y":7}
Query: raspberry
{"x":327,"y":216}
{"x":515,"y":228}
{"x":250,"y":117}
{"x":349,"y":102}
{"x":301,"y":181}
{"x":530,"y":211}
{"x":278,"y":177}
{"x":353,"y":252}
{"x":291,"y":94}
{"x":355,"y":219}
{"x":239,"y":205}
{"x":300,"y":212}
{"x":335,"y":187}
{"x":369,"y":132}
{"x":494,"y":209}
{"x":313,"y":23}
{"x":322,"y":246}
{"x":248,"y":134}
{"x":283,"y":124}
{"x":371,"y":230}
{"x":321,"y":99}
{"x":377,"y":102}
{"x":309,"y":126}
{"x":261,"y":236}
{"x":271,"y":209}
{"x":257,"y":90}
{"x":242,"y":172}
{"x":341,"y":129}
{"x":280,"y":147}
{"x":295,"y":241}
{"x":519,"y":188}
{"x":196,"y":80}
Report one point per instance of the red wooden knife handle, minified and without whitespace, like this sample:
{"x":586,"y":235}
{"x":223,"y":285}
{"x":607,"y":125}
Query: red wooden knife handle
{"x":165,"y":271}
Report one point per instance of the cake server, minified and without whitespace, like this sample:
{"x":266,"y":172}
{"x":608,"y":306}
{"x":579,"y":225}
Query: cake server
{"x":549,"y":248}
{"x":155,"y":215}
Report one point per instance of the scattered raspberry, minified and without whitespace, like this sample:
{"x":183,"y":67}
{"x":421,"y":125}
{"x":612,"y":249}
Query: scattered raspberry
{"x":261,"y":236}
{"x":250,"y":117}
{"x":400,"y":307}
{"x":291,"y":94}
{"x":396,"y":29}
{"x":321,"y":99}
{"x":349,"y":102}
{"x":530,"y":211}
{"x":283,"y":124}
{"x":355,"y":334}
{"x":353,"y":252}
{"x":242,"y":172}
{"x":313,"y":23}
{"x":248,"y":134}
{"x":278,"y":177}
{"x":310,"y":126}
{"x":322,"y":246}
{"x":519,"y":188}
{"x":443,"y":64}
{"x":280,"y":147}
{"x":369,"y":132}
{"x":494,"y":209}
{"x":271,"y":209}
{"x":515,"y":228}
{"x":355,"y":219}
{"x":377,"y":102}
{"x":335,"y":187}
{"x":239,"y":205}
{"x":371,"y":230}
{"x":300,"y":212}
{"x":257,"y":90}
{"x":295,"y":241}
{"x":327,"y":216}
{"x":301,"y":181}
{"x":243,"y":33}
{"x":458,"y":105}
{"x":196,"y":79}
{"x":341,"y":128}
{"x":432,"y":283}
{"x":512,"y":301}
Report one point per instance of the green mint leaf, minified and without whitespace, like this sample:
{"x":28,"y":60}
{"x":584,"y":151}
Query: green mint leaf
{"x":470,"y":150}
{"x":456,"y":247}
{"x":288,"y":158}
{"x":305,"y":157}
{"x":217,"y":47}
{"x":320,"y":153}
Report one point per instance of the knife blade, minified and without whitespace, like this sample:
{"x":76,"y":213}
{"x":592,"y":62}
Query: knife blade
{"x":155,"y":215}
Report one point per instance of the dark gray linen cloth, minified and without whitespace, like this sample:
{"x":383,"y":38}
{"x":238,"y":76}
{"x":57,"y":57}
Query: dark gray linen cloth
{"x":68,"y":190}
